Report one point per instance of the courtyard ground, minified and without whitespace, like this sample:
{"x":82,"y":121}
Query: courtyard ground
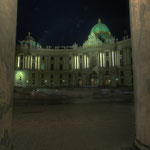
{"x":89,"y":126}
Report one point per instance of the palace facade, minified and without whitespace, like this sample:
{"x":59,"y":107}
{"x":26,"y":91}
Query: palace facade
{"x":101,"y":61}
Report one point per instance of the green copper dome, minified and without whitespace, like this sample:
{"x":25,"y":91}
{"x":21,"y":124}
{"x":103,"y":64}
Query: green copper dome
{"x":101,"y":30}
{"x":29,"y":40}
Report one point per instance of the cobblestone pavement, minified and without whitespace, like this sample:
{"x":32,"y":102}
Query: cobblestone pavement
{"x":97,"y":126}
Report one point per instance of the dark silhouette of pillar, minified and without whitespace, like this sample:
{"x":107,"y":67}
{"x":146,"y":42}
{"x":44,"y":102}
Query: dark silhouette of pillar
{"x":140,"y":32}
{"x":8,"y":15}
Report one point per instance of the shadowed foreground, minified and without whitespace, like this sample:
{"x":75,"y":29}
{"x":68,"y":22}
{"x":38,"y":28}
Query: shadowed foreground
{"x":99,"y":126}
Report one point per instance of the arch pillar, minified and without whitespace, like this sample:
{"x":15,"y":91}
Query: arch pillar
{"x":8,"y":15}
{"x":140,"y":33}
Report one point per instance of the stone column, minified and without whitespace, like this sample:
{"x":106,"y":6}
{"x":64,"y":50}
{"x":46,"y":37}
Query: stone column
{"x":8,"y":13}
{"x":140,"y":32}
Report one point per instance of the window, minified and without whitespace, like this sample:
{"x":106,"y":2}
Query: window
{"x":80,"y":56}
{"x":107,"y":63}
{"x":69,"y":58}
{"x":43,"y":58}
{"x":122,"y":81}
{"x":33,"y":81}
{"x":121,"y":62}
{"x":33,"y":66}
{"x":69,"y":75}
{"x":42,"y":66}
{"x":52,"y":66}
{"x":80,"y":65}
{"x":21,"y":65}
{"x":61,"y":67}
{"x":60,"y":82}
{"x":70,"y":66}
{"x":107,"y":53}
{"x":131,"y":61}
{"x":42,"y":75}
{"x":52,"y":76}
{"x":60,"y":76}
{"x":33,"y":75}
{"x":121,"y":73}
{"x":52,"y":82}
{"x":33,"y":57}
{"x":107,"y":72}
{"x":52,"y":58}
{"x":79,"y":74}
{"x":61,"y":58}
{"x":21,"y":57}
{"x":121,"y":52}
{"x":42,"y":82}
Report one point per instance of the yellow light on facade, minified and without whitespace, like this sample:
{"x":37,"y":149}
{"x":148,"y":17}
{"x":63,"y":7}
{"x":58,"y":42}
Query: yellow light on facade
{"x":84,"y":61}
{"x":87,"y":61}
{"x":113,"y":59}
{"x":101,"y":60}
{"x":18,"y":61}
{"x":77,"y":62}
{"x":38,"y":62}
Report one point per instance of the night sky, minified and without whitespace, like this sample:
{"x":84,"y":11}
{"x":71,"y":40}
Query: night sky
{"x":63,"y":22}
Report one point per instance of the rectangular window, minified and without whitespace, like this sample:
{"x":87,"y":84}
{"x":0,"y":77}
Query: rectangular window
{"x":122,"y":81}
{"x":42,"y":75}
{"x":80,"y":56}
{"x":43,"y":58}
{"x":70,"y":66}
{"x":33,"y":66}
{"x":61,"y":58}
{"x":52,"y":66}
{"x":79,"y":74}
{"x":52,"y":58}
{"x":69,"y":58}
{"x":52,"y":76}
{"x":107,"y":63}
{"x":121,"y":62}
{"x":33,"y":75}
{"x":42,"y":66}
{"x":60,"y":76}
{"x":121,"y":73}
{"x":42,"y":82}
{"x":107,"y":53}
{"x":121,"y":52}
{"x":33,"y":81}
{"x":61,"y":67}
{"x":80,"y":65}
{"x":69,"y":75}
{"x":21,"y":65}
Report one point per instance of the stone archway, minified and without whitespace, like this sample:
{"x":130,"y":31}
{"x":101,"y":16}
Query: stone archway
{"x":8,"y":15}
{"x":140,"y":31}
